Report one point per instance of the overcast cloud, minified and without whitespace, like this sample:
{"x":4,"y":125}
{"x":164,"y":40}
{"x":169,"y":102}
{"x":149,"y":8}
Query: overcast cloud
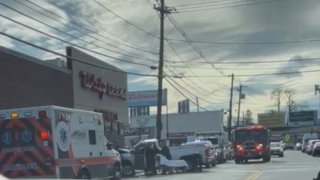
{"x":278,"y":21}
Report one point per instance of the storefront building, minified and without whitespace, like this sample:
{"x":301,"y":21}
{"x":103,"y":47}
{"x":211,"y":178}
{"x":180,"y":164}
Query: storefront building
{"x":84,"y":82}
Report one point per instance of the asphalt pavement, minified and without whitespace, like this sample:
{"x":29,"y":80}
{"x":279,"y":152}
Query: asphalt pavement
{"x":295,"y":165}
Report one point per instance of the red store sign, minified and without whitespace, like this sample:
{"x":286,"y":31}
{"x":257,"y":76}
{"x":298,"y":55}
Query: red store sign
{"x":89,"y":81}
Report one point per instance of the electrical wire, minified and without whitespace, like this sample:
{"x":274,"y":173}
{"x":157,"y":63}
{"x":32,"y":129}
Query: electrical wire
{"x":195,"y":88}
{"x":78,"y":38}
{"x":181,"y":59}
{"x":177,"y":89}
{"x":251,"y":62}
{"x":245,"y":69}
{"x":73,"y":58}
{"x":125,"y":20}
{"x":246,"y":43}
{"x":186,"y":90}
{"x":126,"y":42}
{"x":265,"y":74}
{"x":73,"y":44}
{"x":214,"y":4}
{"x":185,"y":36}
{"x":230,"y":6}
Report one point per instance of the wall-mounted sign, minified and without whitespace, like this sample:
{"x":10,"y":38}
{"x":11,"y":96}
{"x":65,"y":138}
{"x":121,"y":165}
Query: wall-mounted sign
{"x":146,"y":98}
{"x":141,"y":122}
{"x":90,"y":81}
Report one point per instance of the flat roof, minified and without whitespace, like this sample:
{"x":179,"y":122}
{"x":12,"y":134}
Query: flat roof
{"x":33,"y":59}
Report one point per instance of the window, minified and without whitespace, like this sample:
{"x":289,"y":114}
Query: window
{"x":92,"y":137}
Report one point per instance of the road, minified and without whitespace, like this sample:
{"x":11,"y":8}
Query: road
{"x":294,"y":166}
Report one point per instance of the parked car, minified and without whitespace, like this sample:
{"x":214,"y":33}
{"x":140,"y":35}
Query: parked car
{"x":127,"y":162}
{"x":316,"y":149}
{"x":193,"y":155}
{"x":310,"y":145}
{"x":276,"y":149}
{"x":206,"y":150}
{"x":298,"y":146}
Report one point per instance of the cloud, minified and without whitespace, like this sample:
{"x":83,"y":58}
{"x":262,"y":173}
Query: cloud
{"x":272,"y":22}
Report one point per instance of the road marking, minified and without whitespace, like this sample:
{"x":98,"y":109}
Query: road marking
{"x":255,"y":175}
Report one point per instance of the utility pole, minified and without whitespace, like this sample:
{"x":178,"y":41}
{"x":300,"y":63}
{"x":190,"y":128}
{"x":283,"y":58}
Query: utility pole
{"x":163,"y":10}
{"x":230,"y":108}
{"x":197,"y":103}
{"x":240,"y":91}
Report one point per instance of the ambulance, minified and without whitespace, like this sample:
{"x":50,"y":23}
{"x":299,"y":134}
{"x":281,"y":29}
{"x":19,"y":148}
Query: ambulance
{"x":55,"y":142}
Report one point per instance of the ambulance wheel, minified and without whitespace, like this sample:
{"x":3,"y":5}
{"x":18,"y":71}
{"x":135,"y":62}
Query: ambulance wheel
{"x":127,"y":169}
{"x":84,"y":174}
{"x":116,"y":173}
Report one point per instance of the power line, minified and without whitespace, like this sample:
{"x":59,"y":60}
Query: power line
{"x":247,"y":43}
{"x":78,"y":38}
{"x":123,"y":19}
{"x":185,"y":36}
{"x":214,"y":4}
{"x":211,"y":93}
{"x":195,"y":4}
{"x":246,"y":69}
{"x":73,"y":44}
{"x":265,"y":74}
{"x":177,"y":89}
{"x":125,"y":43}
{"x":181,"y":87}
{"x":187,"y":66}
{"x":73,"y":58}
{"x":251,"y":62}
{"x":223,"y":7}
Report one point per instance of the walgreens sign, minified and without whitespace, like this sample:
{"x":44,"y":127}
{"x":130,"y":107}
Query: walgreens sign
{"x":90,"y":81}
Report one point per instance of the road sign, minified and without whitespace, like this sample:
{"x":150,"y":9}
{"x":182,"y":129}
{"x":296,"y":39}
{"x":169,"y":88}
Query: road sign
{"x":287,"y":137}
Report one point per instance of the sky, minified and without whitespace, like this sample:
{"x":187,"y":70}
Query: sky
{"x":259,"y":41}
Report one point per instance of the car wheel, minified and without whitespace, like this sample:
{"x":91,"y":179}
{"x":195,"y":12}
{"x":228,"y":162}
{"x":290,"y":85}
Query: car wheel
{"x":208,"y":165}
{"x":237,"y":160}
{"x":280,"y":155}
{"x":127,"y":170}
{"x":213,"y":163}
{"x":116,"y":173}
{"x":84,"y":174}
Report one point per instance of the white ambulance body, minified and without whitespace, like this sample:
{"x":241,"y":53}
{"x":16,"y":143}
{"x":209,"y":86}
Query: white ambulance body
{"x":55,"y":142}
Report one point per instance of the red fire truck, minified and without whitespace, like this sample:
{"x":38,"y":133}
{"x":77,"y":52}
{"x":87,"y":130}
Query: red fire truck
{"x":251,"y":142}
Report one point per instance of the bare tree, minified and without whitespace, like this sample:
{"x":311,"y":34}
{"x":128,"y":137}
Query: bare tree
{"x":290,"y":92}
{"x":248,"y":117}
{"x":276,"y":96}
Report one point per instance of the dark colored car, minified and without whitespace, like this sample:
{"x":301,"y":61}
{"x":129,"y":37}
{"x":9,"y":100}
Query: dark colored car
{"x":127,"y":162}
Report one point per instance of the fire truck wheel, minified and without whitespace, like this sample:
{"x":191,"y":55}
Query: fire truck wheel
{"x":237,"y":160}
{"x":84,"y":174}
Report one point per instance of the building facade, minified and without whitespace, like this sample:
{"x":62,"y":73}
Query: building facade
{"x":84,"y":83}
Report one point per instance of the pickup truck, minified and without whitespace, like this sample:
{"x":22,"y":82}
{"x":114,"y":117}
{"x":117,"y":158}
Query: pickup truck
{"x":204,"y":148}
{"x":195,"y":154}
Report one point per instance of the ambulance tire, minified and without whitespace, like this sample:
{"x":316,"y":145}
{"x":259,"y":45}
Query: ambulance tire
{"x":84,"y":174}
{"x":116,"y":172}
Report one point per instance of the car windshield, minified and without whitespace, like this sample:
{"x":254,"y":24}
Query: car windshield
{"x":111,"y":89}
{"x":244,"y":135}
